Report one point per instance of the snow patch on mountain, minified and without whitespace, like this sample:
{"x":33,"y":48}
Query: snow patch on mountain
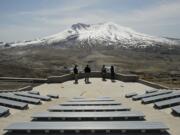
{"x":103,"y":33}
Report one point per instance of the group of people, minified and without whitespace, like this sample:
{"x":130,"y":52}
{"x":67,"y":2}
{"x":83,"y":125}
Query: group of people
{"x":87,"y":71}
{"x":104,"y":73}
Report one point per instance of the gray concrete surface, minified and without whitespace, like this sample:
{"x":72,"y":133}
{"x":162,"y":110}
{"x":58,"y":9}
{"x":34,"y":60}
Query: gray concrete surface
{"x":97,"y":88}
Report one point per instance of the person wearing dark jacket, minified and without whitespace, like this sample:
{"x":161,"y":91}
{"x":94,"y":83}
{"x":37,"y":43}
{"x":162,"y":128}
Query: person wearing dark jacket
{"x":87,"y":71}
{"x":76,"y":74}
{"x":103,"y":72}
{"x":112,"y":73}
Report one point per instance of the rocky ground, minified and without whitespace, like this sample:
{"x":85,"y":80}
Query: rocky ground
{"x":157,"y":66}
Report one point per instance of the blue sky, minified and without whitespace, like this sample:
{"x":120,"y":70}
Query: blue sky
{"x":29,"y":19}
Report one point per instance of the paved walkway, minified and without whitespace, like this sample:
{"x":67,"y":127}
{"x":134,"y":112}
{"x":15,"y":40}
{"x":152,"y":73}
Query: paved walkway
{"x":97,"y":88}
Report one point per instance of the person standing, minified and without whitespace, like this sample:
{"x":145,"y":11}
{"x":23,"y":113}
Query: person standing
{"x":76,"y":74}
{"x":112,"y":73}
{"x":87,"y":71}
{"x":103,"y":72}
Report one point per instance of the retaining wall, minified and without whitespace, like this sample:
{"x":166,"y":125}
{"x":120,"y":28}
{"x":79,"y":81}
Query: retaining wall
{"x":151,"y":84}
{"x":67,"y":77}
{"x":29,"y":80}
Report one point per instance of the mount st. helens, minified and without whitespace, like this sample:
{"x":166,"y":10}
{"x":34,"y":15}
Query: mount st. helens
{"x":100,"y":35}
{"x":153,"y":58}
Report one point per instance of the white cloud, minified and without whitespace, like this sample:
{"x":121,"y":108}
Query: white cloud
{"x":156,"y":19}
{"x":68,"y":7}
{"x":159,"y":13}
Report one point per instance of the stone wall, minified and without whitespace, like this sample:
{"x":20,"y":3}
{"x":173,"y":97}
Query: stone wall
{"x":67,"y":77}
{"x":151,"y":84}
{"x":28,"y":80}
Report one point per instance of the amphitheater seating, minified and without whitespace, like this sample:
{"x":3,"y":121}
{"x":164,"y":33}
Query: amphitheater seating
{"x":176,"y":110}
{"x":89,"y":100}
{"x":106,"y":126}
{"x":34,"y":92}
{"x":89,"y":108}
{"x":160,"y":97}
{"x":53,"y":95}
{"x":13,"y":104}
{"x":129,"y":95}
{"x":90,"y":103}
{"x":112,"y":115}
{"x":19,"y":98}
{"x":167,"y":103}
{"x":25,"y":94}
{"x":3,"y":111}
{"x":151,"y":91}
{"x":138,"y":97}
{"x":105,"y":119}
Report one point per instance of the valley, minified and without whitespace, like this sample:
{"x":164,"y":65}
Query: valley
{"x":41,"y":62}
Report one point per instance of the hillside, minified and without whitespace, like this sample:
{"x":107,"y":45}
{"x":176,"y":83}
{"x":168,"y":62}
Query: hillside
{"x":45,"y":61}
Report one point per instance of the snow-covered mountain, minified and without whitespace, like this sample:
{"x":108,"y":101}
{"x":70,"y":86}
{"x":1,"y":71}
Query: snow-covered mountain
{"x":104,"y":34}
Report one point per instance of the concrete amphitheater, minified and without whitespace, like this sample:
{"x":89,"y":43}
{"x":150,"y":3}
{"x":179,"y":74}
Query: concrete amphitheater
{"x":66,"y":89}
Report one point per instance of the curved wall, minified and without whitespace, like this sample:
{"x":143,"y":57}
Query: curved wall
{"x":67,"y":77}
